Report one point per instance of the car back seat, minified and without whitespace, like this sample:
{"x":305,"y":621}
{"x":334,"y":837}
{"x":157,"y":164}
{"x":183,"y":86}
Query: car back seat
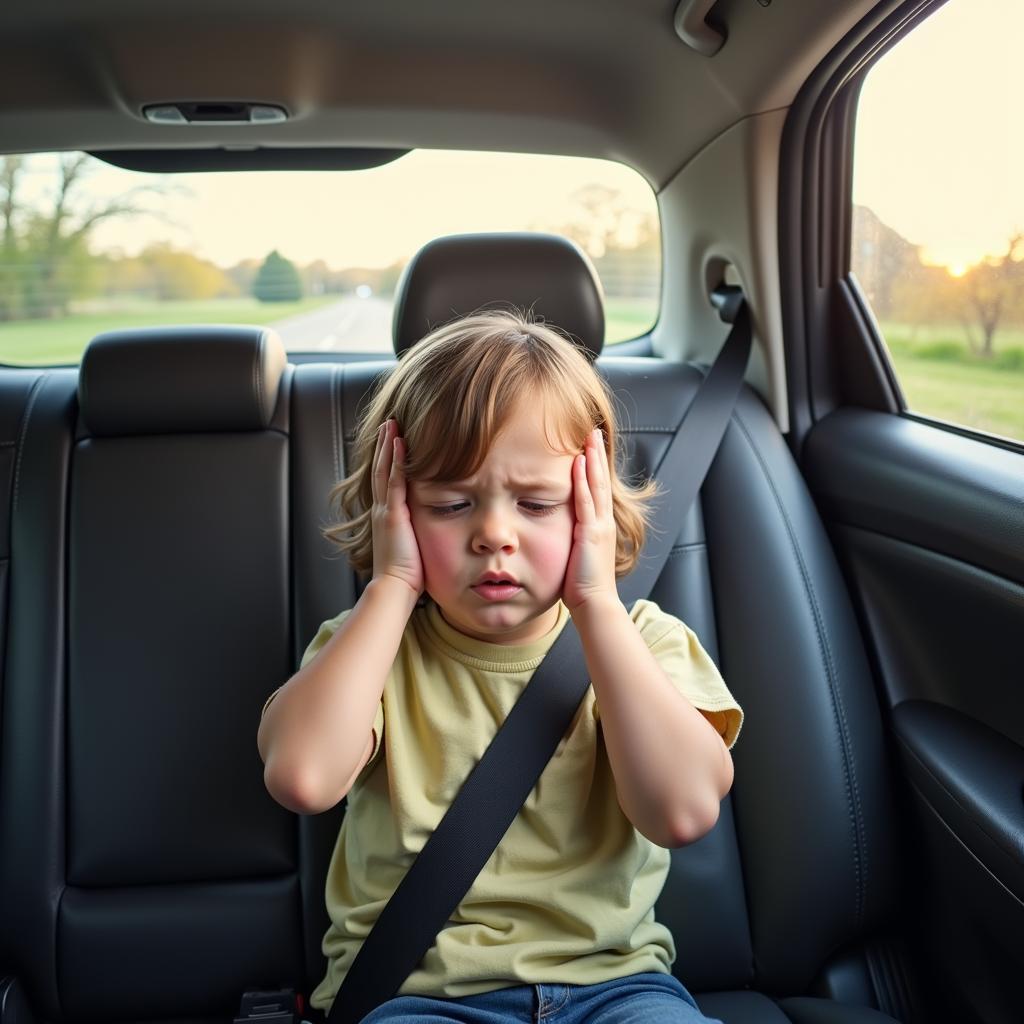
{"x":146,"y":873}
{"x":16,"y":395}
{"x":167,"y":572}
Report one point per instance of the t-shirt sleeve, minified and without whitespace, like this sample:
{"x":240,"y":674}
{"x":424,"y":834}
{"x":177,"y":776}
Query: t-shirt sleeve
{"x":323,"y":634}
{"x":679,"y":653}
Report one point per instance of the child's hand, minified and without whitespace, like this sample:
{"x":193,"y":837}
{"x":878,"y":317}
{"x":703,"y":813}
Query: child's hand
{"x":395,"y":549}
{"x":590,"y":573}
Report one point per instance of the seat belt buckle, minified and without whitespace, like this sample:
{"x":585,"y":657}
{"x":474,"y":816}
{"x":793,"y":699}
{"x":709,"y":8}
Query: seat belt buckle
{"x":281,"y":1006}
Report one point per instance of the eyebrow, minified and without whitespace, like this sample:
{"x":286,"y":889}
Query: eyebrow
{"x":552,"y":485}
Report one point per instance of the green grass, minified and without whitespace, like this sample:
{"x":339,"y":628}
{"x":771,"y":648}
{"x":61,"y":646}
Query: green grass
{"x":942,"y":378}
{"x":625,"y":319}
{"x":48,"y":342}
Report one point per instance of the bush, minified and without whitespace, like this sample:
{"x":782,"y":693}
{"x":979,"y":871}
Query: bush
{"x":277,"y":280}
{"x":1010,"y":359}
{"x":946,"y":351}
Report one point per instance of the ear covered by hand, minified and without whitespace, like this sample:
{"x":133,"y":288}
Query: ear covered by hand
{"x":395,"y":548}
{"x":590,"y":573}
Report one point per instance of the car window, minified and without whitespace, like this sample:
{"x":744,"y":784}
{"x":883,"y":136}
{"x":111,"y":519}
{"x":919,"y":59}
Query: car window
{"x":88,"y":247}
{"x":938,"y":217}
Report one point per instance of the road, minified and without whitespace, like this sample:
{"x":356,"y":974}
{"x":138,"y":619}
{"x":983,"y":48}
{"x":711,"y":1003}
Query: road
{"x":351,"y":325}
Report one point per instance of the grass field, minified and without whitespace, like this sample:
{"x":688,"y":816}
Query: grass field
{"x":939,"y":375}
{"x":50,"y":342}
{"x":628,"y":318}
{"x":46,"y":342}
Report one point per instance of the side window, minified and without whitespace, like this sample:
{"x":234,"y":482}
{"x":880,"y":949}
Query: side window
{"x":938,"y":214}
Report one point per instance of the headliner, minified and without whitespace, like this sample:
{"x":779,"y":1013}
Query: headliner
{"x":597,"y":78}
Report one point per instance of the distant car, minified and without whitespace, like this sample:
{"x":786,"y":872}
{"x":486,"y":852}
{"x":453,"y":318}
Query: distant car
{"x":364,"y":291}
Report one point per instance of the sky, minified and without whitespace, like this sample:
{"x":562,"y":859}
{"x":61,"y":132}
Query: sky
{"x":358,"y":218}
{"x":939,"y":151}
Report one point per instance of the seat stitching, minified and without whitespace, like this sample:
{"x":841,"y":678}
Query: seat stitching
{"x":259,"y":370}
{"x":37,"y":389}
{"x":335,"y":413}
{"x":257,"y":381}
{"x":838,"y":708}
{"x":682,"y":549}
{"x":648,"y":430}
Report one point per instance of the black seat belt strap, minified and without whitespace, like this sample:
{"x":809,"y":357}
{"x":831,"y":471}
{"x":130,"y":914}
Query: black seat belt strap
{"x":497,"y":787}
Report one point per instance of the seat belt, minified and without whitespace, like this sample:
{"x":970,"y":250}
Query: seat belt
{"x":497,"y":787}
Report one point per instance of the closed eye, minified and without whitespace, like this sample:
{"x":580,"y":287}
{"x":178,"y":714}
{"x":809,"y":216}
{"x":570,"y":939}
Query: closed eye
{"x":532,"y":507}
{"x":537,"y":509}
{"x":447,"y":510}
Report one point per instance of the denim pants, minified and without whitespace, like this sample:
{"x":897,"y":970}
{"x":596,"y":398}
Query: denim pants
{"x":651,"y":998}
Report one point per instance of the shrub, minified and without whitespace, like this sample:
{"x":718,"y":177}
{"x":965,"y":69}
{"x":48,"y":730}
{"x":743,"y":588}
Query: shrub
{"x":277,"y":280}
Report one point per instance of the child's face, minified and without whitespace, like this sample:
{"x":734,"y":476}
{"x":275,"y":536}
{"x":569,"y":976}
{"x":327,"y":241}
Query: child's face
{"x":515,"y":516}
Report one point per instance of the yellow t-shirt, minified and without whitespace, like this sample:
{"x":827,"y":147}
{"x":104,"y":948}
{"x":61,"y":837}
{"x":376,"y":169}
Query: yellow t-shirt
{"x":568,"y":895}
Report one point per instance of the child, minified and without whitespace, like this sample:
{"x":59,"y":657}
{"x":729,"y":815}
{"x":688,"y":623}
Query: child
{"x":486,"y":508}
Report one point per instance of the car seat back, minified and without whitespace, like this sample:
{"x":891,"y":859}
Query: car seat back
{"x":167,"y":572}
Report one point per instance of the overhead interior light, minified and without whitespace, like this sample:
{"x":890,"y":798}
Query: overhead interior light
{"x":215,"y":113}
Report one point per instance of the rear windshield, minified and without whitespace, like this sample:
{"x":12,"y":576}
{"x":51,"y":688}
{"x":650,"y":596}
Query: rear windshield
{"x":316,"y":255}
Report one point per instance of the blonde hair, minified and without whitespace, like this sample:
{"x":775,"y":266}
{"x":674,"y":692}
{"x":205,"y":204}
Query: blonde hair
{"x":453,"y":392}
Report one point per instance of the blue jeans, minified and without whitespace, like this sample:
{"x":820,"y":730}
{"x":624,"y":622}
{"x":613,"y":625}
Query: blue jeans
{"x":651,"y":998}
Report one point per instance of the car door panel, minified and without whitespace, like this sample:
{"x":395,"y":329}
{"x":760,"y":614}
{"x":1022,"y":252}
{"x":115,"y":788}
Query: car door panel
{"x":929,"y":527}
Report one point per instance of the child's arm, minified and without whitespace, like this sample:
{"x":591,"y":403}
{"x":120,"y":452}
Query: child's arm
{"x":314,"y":736}
{"x":671,"y":768}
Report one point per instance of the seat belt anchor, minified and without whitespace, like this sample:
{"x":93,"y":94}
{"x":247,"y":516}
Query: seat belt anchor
{"x":727,"y":299}
{"x":281,"y":1006}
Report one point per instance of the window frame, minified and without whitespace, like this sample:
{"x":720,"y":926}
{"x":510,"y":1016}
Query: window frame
{"x":835,"y":352}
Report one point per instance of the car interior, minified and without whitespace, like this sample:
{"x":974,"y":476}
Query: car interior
{"x":856,"y":570}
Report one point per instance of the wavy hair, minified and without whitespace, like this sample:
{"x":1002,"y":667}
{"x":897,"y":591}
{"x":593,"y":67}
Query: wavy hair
{"x":453,"y":392}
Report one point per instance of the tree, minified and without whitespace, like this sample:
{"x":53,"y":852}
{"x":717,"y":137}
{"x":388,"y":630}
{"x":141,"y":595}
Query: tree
{"x":602,"y":220}
{"x":277,"y":280}
{"x":12,"y":264}
{"x":993,"y":291}
{"x":622,"y":240}
{"x":923,"y":294}
{"x":45,"y":254}
{"x":181,"y":275}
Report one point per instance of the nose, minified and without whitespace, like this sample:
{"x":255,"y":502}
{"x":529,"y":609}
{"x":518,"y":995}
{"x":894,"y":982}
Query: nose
{"x":493,"y":531}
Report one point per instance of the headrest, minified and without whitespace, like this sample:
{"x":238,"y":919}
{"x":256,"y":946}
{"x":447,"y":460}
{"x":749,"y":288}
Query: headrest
{"x":462,"y":274}
{"x":180,"y":380}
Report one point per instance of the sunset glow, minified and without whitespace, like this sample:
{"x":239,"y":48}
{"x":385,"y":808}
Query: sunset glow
{"x":939,"y":149}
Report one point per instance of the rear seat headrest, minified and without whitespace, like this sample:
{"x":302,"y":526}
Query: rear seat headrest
{"x":462,"y":274}
{"x":180,"y":380}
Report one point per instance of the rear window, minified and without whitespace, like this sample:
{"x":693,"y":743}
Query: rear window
{"x":316,"y":255}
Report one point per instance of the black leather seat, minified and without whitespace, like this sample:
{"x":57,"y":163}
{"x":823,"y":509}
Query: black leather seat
{"x":167,"y":572}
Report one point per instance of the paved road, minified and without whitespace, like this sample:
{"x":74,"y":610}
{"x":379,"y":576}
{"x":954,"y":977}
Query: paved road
{"x":351,"y":325}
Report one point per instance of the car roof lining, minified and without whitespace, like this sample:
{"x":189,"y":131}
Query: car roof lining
{"x":595,"y":78}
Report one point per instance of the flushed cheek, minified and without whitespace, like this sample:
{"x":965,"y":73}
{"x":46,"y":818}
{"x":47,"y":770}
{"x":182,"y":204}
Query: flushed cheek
{"x":549,"y":556}
{"x":442,"y":554}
